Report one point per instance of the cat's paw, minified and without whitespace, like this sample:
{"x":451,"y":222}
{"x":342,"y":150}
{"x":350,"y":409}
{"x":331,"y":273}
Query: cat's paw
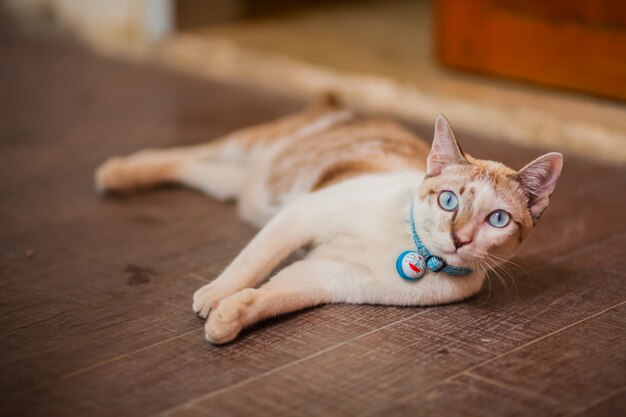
{"x":206,"y":298}
{"x":111,"y":175}
{"x":229,"y":317}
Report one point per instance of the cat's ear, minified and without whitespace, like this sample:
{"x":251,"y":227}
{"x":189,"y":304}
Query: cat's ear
{"x":538,"y":180}
{"x":445,"y":150}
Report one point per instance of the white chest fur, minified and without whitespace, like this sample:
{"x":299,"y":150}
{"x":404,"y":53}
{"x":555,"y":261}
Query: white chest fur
{"x":365,"y":222}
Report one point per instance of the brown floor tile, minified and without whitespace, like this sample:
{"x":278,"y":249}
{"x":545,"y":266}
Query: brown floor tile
{"x":187,"y":366}
{"x":575,"y":366}
{"x":467,"y":396}
{"x":557,"y":295}
{"x":614,"y":405}
{"x":381,"y":369}
{"x":352,"y":379}
{"x":80,"y":336}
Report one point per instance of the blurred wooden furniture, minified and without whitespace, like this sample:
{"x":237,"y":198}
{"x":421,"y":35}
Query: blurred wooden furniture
{"x":576,"y":44}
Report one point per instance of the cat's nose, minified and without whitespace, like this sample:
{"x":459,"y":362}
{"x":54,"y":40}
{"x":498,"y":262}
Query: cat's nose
{"x":459,"y":241}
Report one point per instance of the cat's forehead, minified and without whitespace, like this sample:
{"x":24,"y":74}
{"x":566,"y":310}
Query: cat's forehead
{"x":485,"y":171}
{"x":477,"y":171}
{"x":493,"y":167}
{"x":480,"y":175}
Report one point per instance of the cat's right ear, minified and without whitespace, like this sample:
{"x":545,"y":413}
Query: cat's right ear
{"x":445,"y":150}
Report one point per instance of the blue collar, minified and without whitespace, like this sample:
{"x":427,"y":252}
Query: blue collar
{"x":433,"y":262}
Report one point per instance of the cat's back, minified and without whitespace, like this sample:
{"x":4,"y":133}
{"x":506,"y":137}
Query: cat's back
{"x":351,"y":148}
{"x":326,"y":145}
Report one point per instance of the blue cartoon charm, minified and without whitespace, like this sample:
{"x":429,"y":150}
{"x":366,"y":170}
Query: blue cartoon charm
{"x":410,"y":265}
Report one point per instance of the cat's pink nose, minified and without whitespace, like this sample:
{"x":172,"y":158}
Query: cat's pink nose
{"x":460,"y":241}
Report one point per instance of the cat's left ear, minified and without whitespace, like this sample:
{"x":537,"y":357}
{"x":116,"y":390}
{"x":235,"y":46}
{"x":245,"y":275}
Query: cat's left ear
{"x":538,"y":180}
{"x":445,"y":150}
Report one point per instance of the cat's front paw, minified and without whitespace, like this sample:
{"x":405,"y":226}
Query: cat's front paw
{"x":228,"y":318}
{"x":207,"y":298}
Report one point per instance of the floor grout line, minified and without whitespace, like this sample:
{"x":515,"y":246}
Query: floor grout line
{"x":471,"y":368}
{"x":123,"y":355}
{"x":211,"y":394}
{"x":598,"y":401}
{"x":104,"y":362}
{"x":468,"y":371}
{"x":555,"y":260}
{"x":509,"y":387}
{"x":280,"y":368}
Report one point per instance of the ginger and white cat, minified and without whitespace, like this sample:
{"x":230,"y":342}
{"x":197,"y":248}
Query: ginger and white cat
{"x":346,"y":189}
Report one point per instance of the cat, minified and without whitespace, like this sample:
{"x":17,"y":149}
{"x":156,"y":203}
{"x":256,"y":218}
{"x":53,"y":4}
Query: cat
{"x":362,"y":195}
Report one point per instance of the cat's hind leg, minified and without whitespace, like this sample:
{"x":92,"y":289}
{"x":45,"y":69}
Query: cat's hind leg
{"x":306,"y":283}
{"x":193,"y":167}
{"x":220,"y":167}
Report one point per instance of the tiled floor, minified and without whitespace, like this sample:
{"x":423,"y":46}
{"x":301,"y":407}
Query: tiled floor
{"x":95,"y":307}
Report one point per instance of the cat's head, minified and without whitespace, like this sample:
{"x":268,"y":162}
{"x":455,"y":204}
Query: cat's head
{"x":470,"y":210}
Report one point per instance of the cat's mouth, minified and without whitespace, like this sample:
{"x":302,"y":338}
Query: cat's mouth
{"x":458,"y":256}
{"x":454,"y":256}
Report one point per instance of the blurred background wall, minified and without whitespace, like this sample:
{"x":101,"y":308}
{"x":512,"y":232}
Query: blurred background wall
{"x":101,"y":21}
{"x":578,"y":44}
{"x":546,"y":73}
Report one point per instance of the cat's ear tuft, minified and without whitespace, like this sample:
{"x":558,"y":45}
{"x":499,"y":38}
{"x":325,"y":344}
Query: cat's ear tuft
{"x":445,"y":150}
{"x":538,"y":180}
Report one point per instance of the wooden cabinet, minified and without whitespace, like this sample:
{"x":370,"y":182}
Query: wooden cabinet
{"x":576,"y":44}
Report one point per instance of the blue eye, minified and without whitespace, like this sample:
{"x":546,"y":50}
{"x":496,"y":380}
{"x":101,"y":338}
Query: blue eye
{"x":498,"y":218}
{"x":448,"y":201}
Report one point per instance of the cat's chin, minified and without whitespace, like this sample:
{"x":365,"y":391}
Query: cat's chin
{"x":458,"y":259}
{"x":453,"y":259}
